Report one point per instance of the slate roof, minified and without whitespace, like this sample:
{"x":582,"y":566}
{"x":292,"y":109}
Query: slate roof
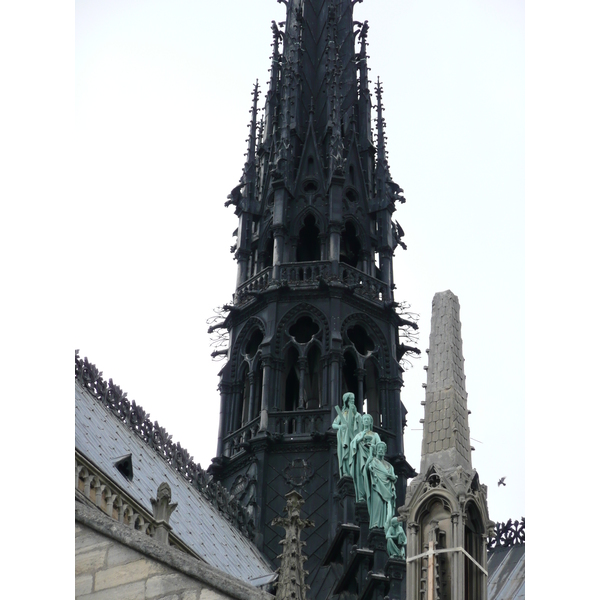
{"x":506,"y":573}
{"x":103,"y":439}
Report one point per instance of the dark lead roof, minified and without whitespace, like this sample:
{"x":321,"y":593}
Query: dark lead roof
{"x":506,"y":568}
{"x":105,"y":441}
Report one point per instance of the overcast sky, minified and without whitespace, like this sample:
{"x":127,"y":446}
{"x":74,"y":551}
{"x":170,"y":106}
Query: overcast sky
{"x":162,"y":100}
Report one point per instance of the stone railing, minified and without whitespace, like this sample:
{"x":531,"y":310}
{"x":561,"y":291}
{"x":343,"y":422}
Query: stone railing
{"x":299,"y":421}
{"x":257,"y":283}
{"x":363,"y":284}
{"x":99,"y":490}
{"x":235,"y":442}
{"x":137,"y":420}
{"x":305,"y":273}
{"x":507,"y":534}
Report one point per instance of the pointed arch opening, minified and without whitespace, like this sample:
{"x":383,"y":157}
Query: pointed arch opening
{"x":475,"y":546}
{"x":309,"y":246}
{"x":372,"y":393}
{"x":313,"y":378}
{"x":292,"y":381}
{"x":350,"y":246}
{"x":349,"y":375}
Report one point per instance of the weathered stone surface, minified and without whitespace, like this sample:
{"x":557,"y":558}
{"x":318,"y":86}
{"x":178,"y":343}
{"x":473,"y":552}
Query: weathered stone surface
{"x":90,"y":561}
{"x":83,"y":584}
{"x":207,"y":594}
{"x":121,"y":555}
{"x":130,"y":591}
{"x":121,"y":574}
{"x":159,"y":585}
{"x":165,"y":572}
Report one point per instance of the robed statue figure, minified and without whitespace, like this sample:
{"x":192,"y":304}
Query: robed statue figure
{"x":347,"y":424}
{"x":396,"y":539}
{"x":362,"y":447}
{"x":381,"y":498}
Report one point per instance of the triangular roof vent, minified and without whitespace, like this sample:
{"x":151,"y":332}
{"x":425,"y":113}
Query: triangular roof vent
{"x":125,"y":466}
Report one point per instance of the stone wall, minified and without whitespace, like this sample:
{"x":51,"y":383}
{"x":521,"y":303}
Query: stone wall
{"x":115,"y":562}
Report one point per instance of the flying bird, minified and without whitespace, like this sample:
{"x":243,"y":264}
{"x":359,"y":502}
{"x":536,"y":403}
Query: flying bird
{"x":501,"y":482}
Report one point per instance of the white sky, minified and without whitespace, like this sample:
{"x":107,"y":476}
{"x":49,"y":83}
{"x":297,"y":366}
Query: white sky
{"x":112,"y":232}
{"x":162,"y":99}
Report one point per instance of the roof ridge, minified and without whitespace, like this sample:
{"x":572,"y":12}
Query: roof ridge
{"x":178,"y":458}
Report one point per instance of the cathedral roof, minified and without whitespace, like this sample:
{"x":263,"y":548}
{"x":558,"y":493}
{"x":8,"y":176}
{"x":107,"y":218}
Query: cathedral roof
{"x":105,"y":440}
{"x":506,"y":568}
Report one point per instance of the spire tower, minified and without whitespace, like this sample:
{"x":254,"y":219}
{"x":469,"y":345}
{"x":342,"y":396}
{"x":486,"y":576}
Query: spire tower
{"x":446,"y":505}
{"x":313,"y":313}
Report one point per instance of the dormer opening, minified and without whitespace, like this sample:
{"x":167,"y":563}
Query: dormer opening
{"x":125,"y":467}
{"x":309,"y":247}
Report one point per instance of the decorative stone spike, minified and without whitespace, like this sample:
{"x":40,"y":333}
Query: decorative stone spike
{"x":291,"y":582}
{"x":162,"y":509}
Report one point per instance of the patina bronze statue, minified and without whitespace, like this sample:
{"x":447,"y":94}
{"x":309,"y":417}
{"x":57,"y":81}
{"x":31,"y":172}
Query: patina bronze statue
{"x":381,"y":498}
{"x":362,"y":447}
{"x":396,"y":539}
{"x":347,"y":424}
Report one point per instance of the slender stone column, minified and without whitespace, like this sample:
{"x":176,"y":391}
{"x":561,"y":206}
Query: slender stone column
{"x":251,"y":378}
{"x":266,"y":386}
{"x":360,"y":374}
{"x":412,"y":549}
{"x":302,"y":364}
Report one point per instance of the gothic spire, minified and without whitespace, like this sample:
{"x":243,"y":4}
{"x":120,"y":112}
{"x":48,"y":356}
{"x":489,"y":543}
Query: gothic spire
{"x":446,"y":437}
{"x":382,"y":164}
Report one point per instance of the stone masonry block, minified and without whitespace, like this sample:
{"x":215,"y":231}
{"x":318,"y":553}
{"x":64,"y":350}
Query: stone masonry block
{"x":208,"y":594}
{"x":121,"y":555}
{"x":160,"y":585}
{"x":88,"y":540}
{"x":131,"y":591}
{"x":133,"y":571}
{"x":90,"y":561}
{"x":83,"y":584}
{"x":438,"y":446}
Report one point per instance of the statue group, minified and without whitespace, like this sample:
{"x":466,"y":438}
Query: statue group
{"x":361,"y":456}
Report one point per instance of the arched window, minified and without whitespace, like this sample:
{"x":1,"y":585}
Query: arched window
{"x":309,"y":246}
{"x":372,"y":393}
{"x":292,"y":381}
{"x":313,"y":378}
{"x":350,"y":246}
{"x":349,"y":375}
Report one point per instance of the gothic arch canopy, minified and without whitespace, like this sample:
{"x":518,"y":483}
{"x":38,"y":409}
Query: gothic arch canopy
{"x":371,"y":327}
{"x":291,"y":316}
{"x":251,"y":325}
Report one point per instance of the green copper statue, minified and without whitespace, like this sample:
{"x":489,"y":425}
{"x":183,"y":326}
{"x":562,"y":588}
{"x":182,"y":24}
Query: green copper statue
{"x":362,"y":447}
{"x":396,"y":539}
{"x":381,"y":495}
{"x":347,"y":424}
